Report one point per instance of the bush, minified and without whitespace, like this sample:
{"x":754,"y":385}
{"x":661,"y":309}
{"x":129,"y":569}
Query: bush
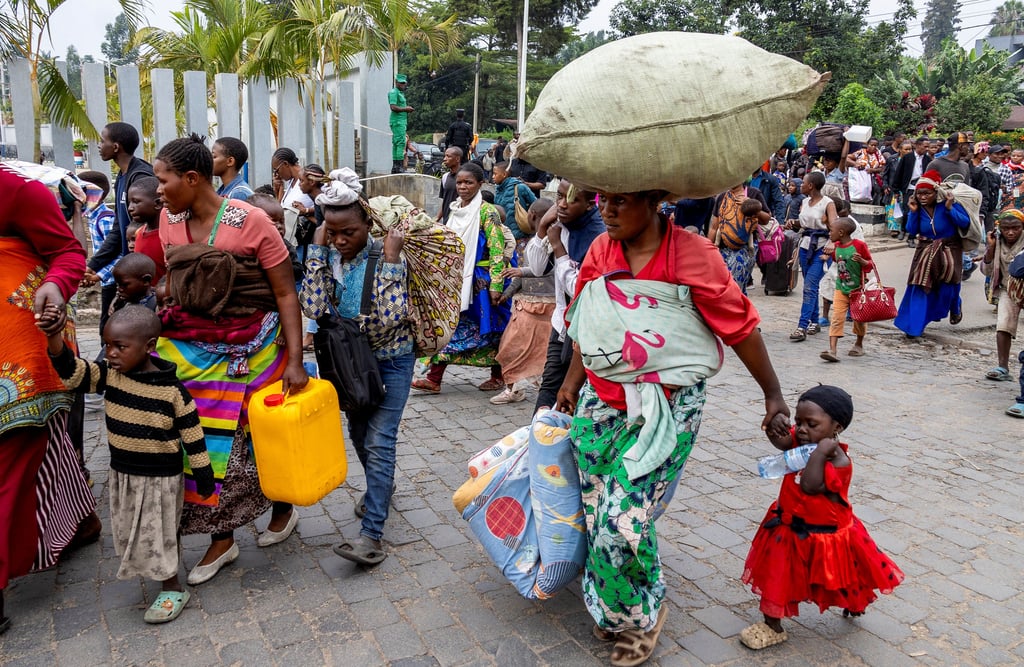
{"x":976,"y":105}
{"x":854,"y":107}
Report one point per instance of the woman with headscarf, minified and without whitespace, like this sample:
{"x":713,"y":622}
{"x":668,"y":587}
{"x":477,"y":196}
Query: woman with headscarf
{"x":652,"y":302}
{"x":44,"y":495}
{"x":484,"y":316}
{"x":933,"y":286}
{"x":227,"y":342}
{"x":336,"y":268}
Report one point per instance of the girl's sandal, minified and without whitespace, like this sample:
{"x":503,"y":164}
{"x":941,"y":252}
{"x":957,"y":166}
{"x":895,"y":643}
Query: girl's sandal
{"x":633,"y":647}
{"x":798,"y":335}
{"x":166,"y":607}
{"x":760,"y":635}
{"x":602,"y":635}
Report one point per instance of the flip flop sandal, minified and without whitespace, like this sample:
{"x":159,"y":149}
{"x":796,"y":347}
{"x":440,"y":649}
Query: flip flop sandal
{"x":1016,"y":410}
{"x":854,"y":352}
{"x":955,"y":318}
{"x":999,"y":374}
{"x":759,"y":636}
{"x":167,"y":606}
{"x":362,"y":550}
{"x":828,"y":356}
{"x":494,"y":384}
{"x":425,"y":385}
{"x":813,"y":328}
{"x":798,"y":335}
{"x":602,"y":635}
{"x":633,"y":647}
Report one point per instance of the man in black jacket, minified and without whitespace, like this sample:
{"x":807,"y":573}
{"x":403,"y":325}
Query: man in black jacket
{"x":460,"y":134}
{"x":118,"y":142}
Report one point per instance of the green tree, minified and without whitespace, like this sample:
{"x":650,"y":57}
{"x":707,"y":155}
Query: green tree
{"x":633,"y":17}
{"x":1008,"y":19}
{"x":117,"y":46}
{"x":24,"y":24}
{"x":549,"y":21}
{"x":851,"y":49}
{"x":854,"y":107}
{"x":582,"y":44}
{"x":976,"y":104}
{"x":74,"y":62}
{"x":941,"y":19}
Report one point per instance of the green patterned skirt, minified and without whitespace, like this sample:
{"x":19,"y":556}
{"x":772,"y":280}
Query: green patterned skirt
{"x":623,"y":586}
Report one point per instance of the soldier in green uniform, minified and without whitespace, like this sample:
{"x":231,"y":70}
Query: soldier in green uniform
{"x":399,"y":122}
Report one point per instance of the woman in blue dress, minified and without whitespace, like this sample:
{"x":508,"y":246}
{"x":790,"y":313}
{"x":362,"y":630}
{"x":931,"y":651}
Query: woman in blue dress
{"x":933,"y":287}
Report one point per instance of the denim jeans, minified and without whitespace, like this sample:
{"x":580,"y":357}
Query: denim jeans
{"x":813,"y":269}
{"x":373,"y":435}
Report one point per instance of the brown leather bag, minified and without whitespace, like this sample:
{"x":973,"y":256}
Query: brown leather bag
{"x":522,"y":215}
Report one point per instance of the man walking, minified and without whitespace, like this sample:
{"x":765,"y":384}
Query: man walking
{"x":400,"y":111}
{"x":459,"y":134}
{"x":452,"y":161}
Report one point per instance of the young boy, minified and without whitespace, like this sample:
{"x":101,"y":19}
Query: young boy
{"x":133,"y":274}
{"x":1004,"y":243}
{"x":852,"y":259}
{"x":144,"y":207}
{"x":828,"y":279}
{"x":151,"y":419}
{"x":229,"y":156}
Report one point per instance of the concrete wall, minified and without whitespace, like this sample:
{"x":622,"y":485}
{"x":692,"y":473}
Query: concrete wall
{"x":419,"y":189}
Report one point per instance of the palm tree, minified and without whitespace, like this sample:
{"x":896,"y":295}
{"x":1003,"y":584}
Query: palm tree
{"x":1008,"y":19}
{"x":24,"y":24}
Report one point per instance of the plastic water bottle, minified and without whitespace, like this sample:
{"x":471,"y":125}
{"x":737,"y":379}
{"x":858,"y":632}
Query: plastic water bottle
{"x":791,"y":460}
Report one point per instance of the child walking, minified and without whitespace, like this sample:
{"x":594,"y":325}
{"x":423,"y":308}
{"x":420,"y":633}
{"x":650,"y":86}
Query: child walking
{"x":810,"y":547}
{"x":144,"y":206}
{"x":151,"y":418}
{"x":852,"y":259}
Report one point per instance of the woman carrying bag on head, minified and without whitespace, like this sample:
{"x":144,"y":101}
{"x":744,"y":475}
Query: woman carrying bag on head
{"x":336,"y":268}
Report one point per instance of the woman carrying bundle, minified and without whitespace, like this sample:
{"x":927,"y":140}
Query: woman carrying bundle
{"x":651,"y":299}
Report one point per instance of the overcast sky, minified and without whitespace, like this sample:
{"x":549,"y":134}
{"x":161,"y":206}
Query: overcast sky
{"x":81,"y":22}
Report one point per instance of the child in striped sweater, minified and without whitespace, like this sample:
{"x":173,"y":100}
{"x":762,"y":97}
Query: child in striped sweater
{"x":150,"y":419}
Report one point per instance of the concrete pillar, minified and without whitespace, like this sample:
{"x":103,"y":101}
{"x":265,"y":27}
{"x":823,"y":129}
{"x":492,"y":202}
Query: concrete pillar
{"x":20,"y":77}
{"x":129,"y":94}
{"x":165,"y":124}
{"x":376,"y":82}
{"x":344,"y":114}
{"x":196,"y":119}
{"x":60,"y":136}
{"x":229,"y":117}
{"x":291,"y":118}
{"x":94,"y":90}
{"x":260,"y":137}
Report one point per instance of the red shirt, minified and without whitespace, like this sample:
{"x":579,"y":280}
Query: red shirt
{"x":28,"y":210}
{"x":147,"y":241}
{"x":683,"y":258}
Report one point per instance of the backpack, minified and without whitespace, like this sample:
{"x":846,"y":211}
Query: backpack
{"x":343,"y":351}
{"x":970,"y":199}
{"x":770,"y":238}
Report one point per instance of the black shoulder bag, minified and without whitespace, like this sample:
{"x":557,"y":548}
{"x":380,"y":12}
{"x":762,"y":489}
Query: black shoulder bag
{"x":343,"y":351}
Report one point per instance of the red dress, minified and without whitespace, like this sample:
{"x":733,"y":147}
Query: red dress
{"x":811,"y":548}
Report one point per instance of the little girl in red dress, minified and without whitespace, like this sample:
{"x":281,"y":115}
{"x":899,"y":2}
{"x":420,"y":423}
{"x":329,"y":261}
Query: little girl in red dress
{"x":810,"y":547}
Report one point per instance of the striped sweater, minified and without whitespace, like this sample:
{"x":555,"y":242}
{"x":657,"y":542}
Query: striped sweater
{"x":151,"y":417}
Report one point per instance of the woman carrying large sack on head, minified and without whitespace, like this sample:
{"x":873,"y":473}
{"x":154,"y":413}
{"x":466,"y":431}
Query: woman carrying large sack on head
{"x":651,"y":298}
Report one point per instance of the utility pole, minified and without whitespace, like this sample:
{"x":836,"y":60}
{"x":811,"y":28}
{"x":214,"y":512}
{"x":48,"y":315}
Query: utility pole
{"x":476,"y":92}
{"x":521,"y":115}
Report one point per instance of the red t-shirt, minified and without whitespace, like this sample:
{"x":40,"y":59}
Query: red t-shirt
{"x":683,"y":258}
{"x":147,"y":242}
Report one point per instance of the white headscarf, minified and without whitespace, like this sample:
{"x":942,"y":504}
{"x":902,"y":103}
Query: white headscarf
{"x":464,"y":220}
{"x":343,"y":189}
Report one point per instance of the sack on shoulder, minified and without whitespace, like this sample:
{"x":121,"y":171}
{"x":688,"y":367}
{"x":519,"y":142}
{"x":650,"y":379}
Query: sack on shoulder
{"x":970,"y":199}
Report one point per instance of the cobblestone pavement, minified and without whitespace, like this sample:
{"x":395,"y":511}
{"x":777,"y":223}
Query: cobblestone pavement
{"x":938,"y":484}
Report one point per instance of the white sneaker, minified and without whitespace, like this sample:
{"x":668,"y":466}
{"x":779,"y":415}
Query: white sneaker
{"x":509,"y":395}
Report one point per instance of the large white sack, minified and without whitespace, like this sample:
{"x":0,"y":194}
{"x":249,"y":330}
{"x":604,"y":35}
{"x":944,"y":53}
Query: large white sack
{"x":690,"y":113}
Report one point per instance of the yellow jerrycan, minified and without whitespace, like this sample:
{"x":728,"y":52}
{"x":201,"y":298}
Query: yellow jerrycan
{"x":299,"y":446}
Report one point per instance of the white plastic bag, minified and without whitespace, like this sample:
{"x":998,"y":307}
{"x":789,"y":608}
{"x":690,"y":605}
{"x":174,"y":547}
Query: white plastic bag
{"x":859,"y":182}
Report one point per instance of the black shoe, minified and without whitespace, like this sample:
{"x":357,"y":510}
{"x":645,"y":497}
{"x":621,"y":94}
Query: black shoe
{"x":902,"y":236}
